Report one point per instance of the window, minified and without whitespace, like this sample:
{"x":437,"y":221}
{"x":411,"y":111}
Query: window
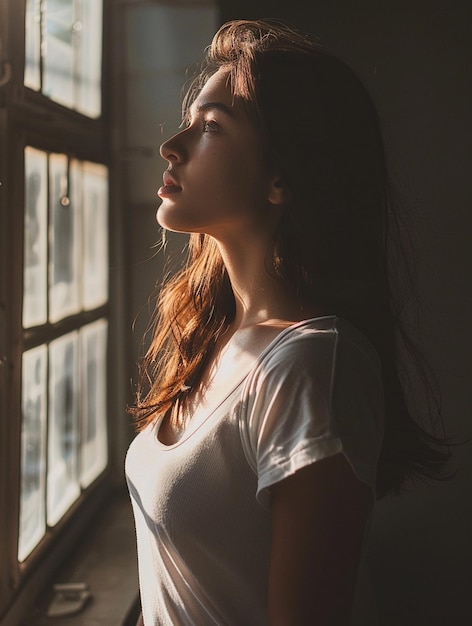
{"x":84,"y":88}
{"x":58,"y":305}
{"x":63,"y":52}
{"x":63,"y":433}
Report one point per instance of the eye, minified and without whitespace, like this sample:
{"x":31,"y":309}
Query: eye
{"x":210,"y":126}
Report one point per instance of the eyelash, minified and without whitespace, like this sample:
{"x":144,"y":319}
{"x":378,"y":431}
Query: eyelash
{"x":209,"y":126}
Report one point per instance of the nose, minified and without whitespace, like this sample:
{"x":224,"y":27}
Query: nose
{"x":172,"y":149}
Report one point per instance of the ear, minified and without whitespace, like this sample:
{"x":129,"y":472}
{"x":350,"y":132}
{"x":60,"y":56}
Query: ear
{"x":278,"y":192}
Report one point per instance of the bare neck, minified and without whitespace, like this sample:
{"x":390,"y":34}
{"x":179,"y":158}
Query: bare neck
{"x":260,"y":297}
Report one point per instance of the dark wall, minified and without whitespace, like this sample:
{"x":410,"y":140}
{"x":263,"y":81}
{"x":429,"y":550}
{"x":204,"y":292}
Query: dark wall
{"x":415,"y":58}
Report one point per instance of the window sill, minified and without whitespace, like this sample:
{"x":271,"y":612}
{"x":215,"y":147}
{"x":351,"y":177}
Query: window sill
{"x":106,"y":561}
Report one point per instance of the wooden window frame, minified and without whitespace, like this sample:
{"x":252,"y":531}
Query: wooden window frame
{"x":29,"y":118}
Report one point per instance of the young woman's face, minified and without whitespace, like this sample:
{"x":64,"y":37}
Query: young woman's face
{"x":217,"y":181}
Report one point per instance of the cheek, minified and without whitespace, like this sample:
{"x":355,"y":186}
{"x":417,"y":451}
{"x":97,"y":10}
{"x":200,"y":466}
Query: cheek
{"x":242,"y":178}
{"x":217,"y":180}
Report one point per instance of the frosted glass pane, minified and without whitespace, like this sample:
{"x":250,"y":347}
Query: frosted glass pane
{"x":95,"y":239}
{"x":35,"y":239}
{"x":33,"y":451}
{"x":58,"y":52}
{"x":65,"y":243}
{"x":89,"y":61}
{"x":93,"y":454}
{"x":33,"y":44}
{"x":63,"y":433}
{"x":72,"y":54}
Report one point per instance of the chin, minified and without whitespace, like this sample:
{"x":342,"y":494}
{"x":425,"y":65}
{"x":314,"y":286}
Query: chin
{"x":166,"y":218}
{"x":170,"y":221}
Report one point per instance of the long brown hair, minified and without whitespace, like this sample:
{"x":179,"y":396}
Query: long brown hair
{"x":320,"y":130}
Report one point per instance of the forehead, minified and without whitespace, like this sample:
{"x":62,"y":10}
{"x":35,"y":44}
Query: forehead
{"x":216,"y":89}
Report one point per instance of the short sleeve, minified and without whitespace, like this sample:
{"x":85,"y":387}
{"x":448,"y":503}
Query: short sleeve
{"x":317,"y":394}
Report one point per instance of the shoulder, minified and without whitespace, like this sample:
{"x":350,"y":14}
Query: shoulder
{"x":315,"y":392}
{"x":316,"y":345}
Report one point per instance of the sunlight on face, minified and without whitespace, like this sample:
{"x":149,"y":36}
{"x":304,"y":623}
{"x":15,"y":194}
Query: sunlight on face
{"x":217,"y":181}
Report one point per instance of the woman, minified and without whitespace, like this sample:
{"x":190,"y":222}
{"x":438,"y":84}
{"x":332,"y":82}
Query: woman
{"x":270,"y":409}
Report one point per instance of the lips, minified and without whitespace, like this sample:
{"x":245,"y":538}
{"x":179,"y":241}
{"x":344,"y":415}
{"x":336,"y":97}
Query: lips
{"x":168,"y":180}
{"x":170,"y":186}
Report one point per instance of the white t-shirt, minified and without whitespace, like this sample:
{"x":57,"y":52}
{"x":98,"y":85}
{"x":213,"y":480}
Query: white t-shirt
{"x":202,"y":505}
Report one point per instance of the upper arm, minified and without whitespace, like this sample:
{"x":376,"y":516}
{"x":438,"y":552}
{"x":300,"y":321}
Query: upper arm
{"x":318,"y":520}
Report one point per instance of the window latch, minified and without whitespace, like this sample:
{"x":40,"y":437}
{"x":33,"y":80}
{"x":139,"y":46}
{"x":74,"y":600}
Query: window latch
{"x":69,"y":598}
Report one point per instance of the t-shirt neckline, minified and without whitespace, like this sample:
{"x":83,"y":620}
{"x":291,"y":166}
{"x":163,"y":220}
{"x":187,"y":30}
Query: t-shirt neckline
{"x":188,"y":432}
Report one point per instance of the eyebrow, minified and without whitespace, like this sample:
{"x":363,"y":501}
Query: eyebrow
{"x":207,"y":106}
